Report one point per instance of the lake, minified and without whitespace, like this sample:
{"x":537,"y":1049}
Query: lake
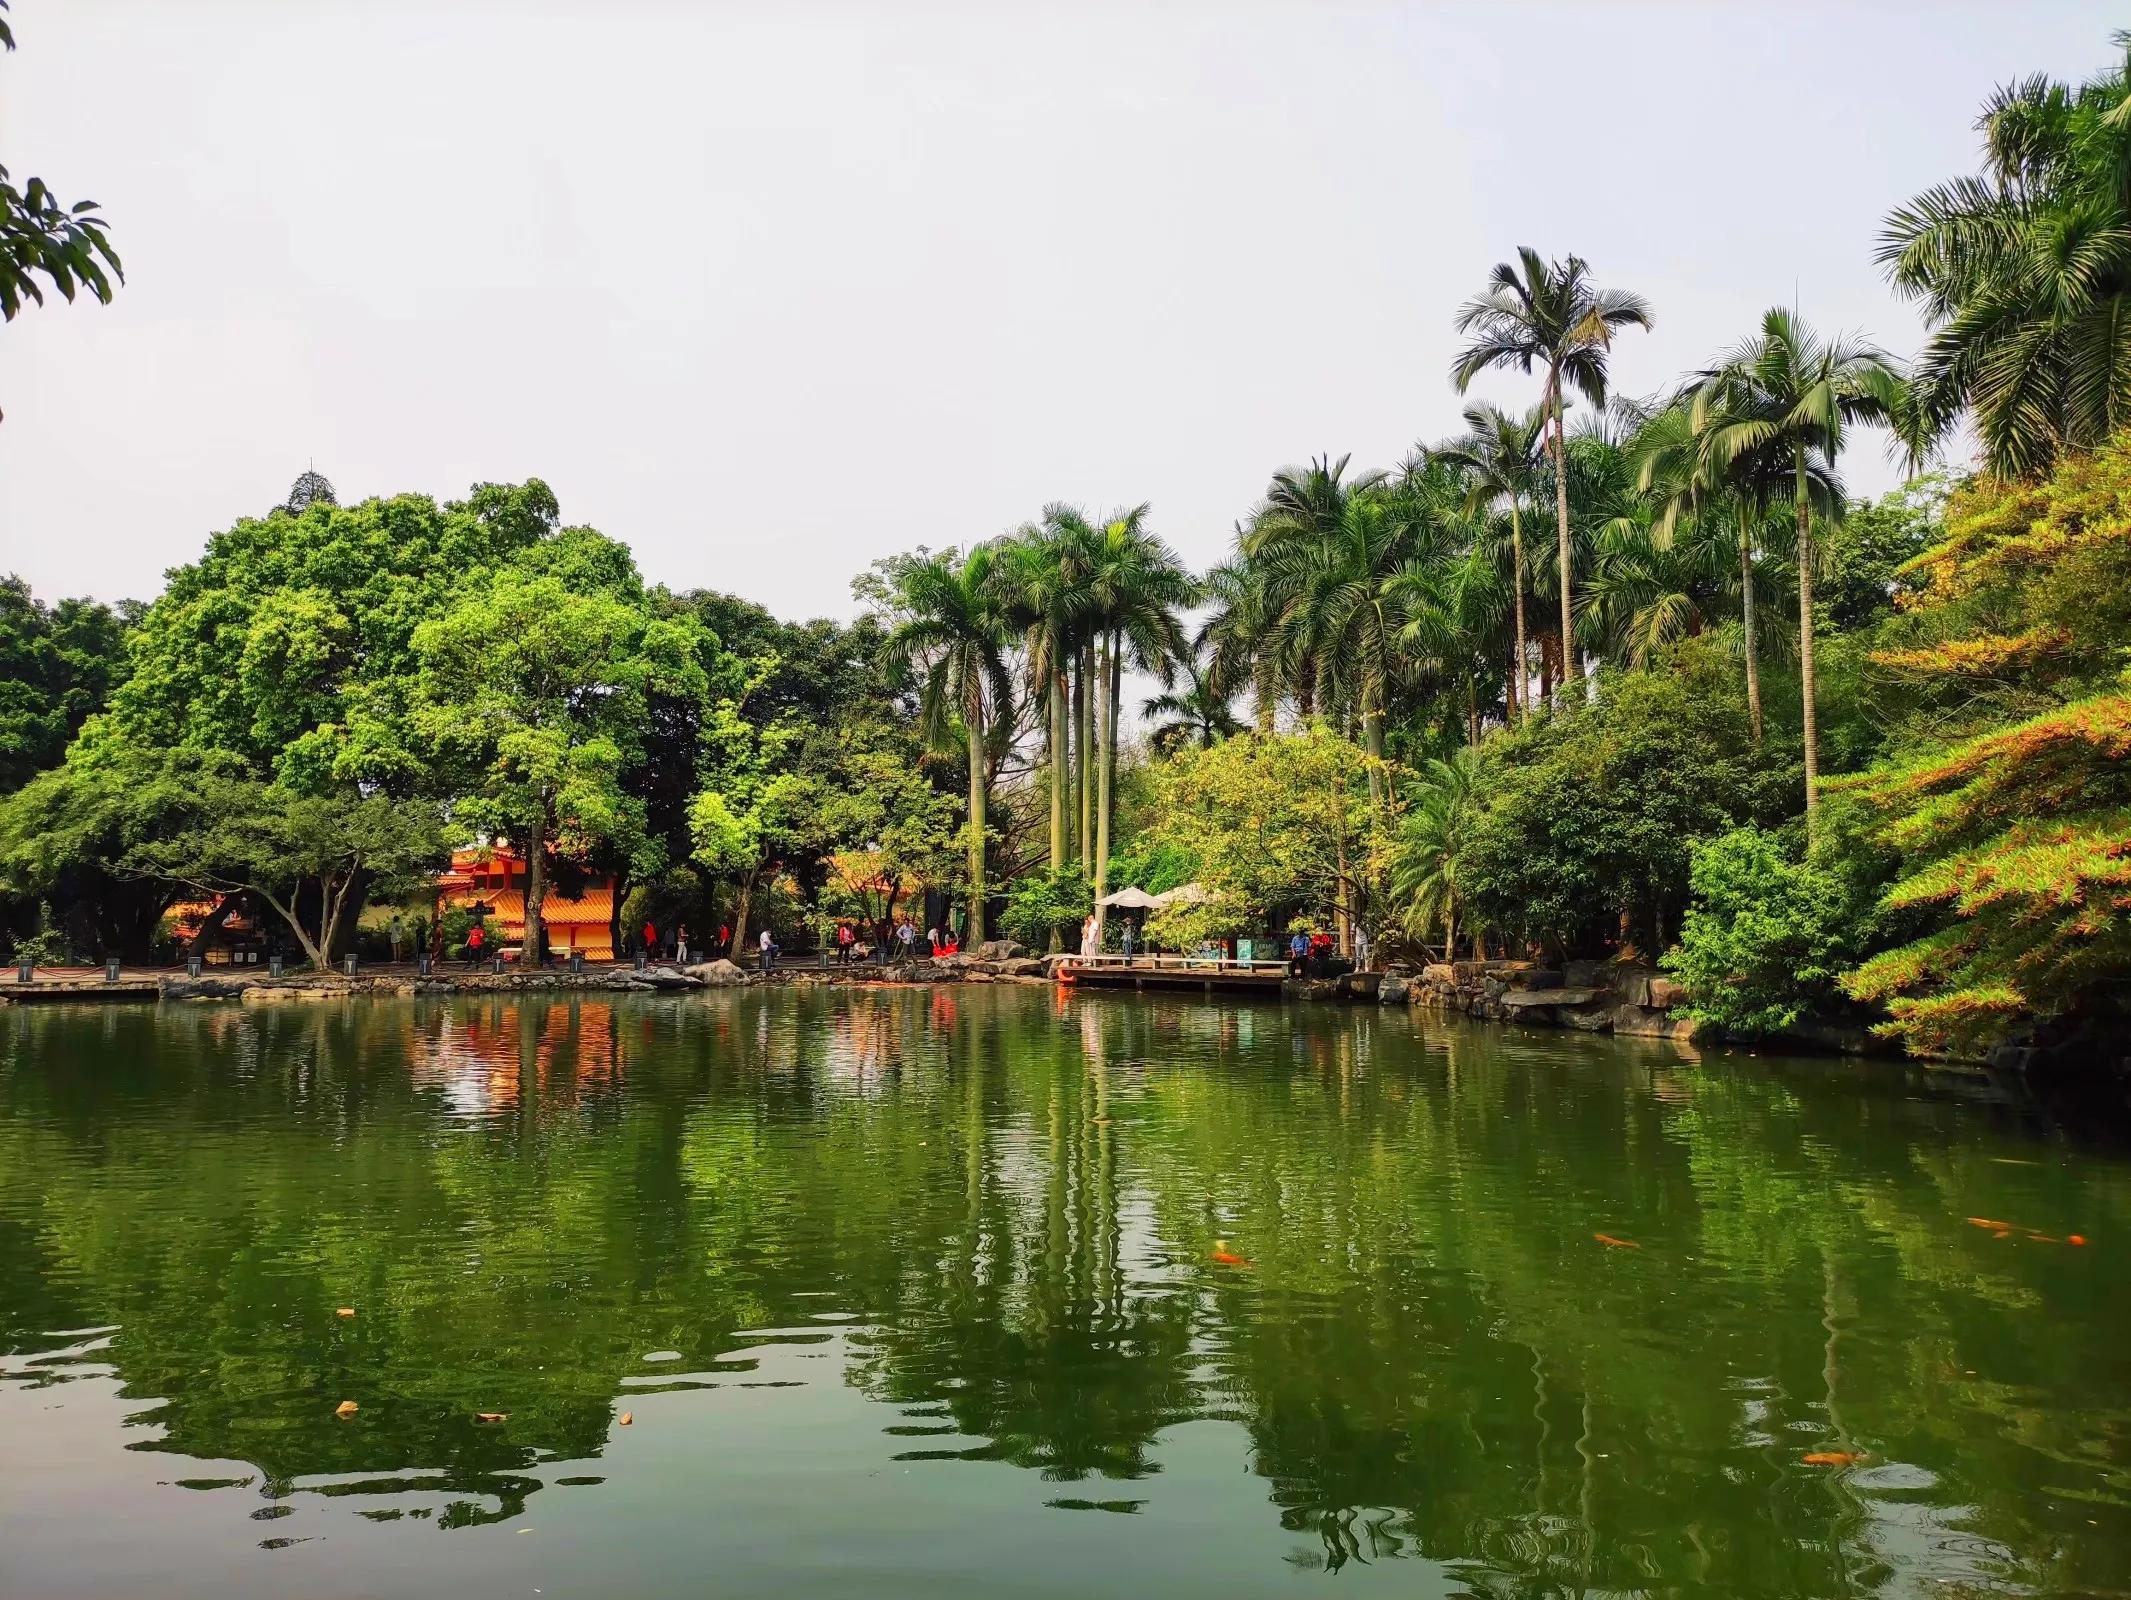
{"x":985,"y":1291}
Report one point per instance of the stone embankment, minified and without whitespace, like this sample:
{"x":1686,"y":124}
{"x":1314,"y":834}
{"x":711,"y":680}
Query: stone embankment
{"x":1590,"y":996}
{"x":998,"y":962}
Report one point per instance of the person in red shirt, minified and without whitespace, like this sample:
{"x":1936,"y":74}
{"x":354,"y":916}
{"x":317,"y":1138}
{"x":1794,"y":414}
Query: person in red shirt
{"x":475,"y":938}
{"x":651,"y":940}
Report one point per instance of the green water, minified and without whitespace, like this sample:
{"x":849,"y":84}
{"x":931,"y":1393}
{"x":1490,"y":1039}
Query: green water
{"x":925,"y":1294}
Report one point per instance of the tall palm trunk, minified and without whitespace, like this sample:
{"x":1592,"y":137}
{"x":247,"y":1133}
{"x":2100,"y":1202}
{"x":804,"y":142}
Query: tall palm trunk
{"x":1807,"y":682}
{"x":1569,"y":668}
{"x":1083,"y":754}
{"x":1746,"y":614}
{"x":1057,"y":718}
{"x":1516,"y":550}
{"x":975,"y":722}
{"x":1110,"y":663}
{"x":1372,"y":738}
{"x":1266,"y":691}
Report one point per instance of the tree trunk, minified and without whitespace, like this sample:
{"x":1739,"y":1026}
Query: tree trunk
{"x":1059,"y":736}
{"x":740,"y":909}
{"x":1570,"y":672}
{"x":1516,"y":550}
{"x":1805,"y":649}
{"x":1746,"y":613}
{"x":1112,"y":660}
{"x":1372,"y":739}
{"x":536,"y":892}
{"x":1546,"y":668}
{"x":976,"y":830}
{"x":1083,"y":756}
{"x":210,"y":925}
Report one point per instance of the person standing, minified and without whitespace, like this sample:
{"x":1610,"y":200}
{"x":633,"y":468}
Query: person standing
{"x":1361,"y":948}
{"x":845,"y":941}
{"x":651,"y":940}
{"x":1125,"y":939}
{"x":475,"y":938}
{"x":680,"y":944}
{"x":769,"y":951}
{"x":906,"y":938}
{"x":1298,"y":954}
{"x":397,"y":935}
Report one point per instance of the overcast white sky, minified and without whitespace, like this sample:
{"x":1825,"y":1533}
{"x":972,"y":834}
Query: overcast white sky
{"x":770,"y":291}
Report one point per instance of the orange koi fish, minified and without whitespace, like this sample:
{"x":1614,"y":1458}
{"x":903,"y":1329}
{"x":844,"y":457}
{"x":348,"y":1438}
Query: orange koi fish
{"x":1608,"y":1240}
{"x":1992,"y":1223}
{"x":1833,"y":1458}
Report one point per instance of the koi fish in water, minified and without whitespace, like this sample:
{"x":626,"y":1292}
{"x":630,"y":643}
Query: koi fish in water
{"x":1225,"y":1257}
{"x":1833,"y":1458}
{"x":1612,"y":1243}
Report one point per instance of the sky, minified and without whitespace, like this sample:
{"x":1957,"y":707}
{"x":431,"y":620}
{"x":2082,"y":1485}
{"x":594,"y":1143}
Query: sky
{"x":772,"y":291}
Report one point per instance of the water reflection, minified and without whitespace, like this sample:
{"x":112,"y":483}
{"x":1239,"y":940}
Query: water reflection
{"x":1114,"y":1250}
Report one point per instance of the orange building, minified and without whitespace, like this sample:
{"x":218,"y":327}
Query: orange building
{"x":491,"y":878}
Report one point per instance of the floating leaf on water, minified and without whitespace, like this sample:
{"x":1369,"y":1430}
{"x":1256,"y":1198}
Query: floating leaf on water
{"x":627,"y":1418}
{"x":1832,"y":1458}
{"x":1612,"y":1243}
{"x":347,"y":1408}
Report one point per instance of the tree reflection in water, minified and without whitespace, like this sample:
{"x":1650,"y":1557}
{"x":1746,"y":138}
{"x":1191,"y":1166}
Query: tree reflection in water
{"x":1052,"y":1232}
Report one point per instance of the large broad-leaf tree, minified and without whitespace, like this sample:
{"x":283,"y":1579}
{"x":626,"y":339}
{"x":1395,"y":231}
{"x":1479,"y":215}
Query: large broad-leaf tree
{"x":531,"y":693}
{"x":312,"y":859}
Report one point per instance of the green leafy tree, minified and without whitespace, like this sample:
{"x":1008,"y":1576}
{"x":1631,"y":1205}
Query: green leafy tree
{"x":1767,"y":934}
{"x":533,"y":693}
{"x":40,"y":237}
{"x":752,"y":806}
{"x":1589,"y":814}
{"x":1277,"y":825}
{"x":290,"y":642}
{"x":57,"y":667}
{"x":1548,"y":315}
{"x":311,"y":858}
{"x":2012,"y":815}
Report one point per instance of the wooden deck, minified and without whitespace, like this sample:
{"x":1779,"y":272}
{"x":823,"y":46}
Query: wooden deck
{"x":80,"y":983}
{"x":1206,"y":974}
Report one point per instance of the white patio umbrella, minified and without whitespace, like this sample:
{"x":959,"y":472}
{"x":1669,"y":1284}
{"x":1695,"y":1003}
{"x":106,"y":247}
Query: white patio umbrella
{"x":1132,"y":899}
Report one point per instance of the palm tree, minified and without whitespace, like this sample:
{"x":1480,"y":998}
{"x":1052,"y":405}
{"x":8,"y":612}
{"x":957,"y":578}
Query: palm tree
{"x":1198,"y":714}
{"x":954,"y":628}
{"x":1328,"y":559}
{"x":1536,"y":313}
{"x":2024,"y":272}
{"x":1047,"y":581}
{"x":1775,"y":411}
{"x":1137,"y":587}
{"x":1500,"y":454}
{"x":1427,"y":867}
{"x":1236,"y":636}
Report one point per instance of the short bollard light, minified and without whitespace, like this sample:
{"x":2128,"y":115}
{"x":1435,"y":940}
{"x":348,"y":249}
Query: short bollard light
{"x":273,"y":966}
{"x":192,"y":966}
{"x":348,"y":966}
{"x":25,"y":971}
{"x":495,"y":965}
{"x":111,"y":969}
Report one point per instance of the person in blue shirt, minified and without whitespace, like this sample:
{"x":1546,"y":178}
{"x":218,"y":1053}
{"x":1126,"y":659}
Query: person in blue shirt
{"x":1298,"y":954}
